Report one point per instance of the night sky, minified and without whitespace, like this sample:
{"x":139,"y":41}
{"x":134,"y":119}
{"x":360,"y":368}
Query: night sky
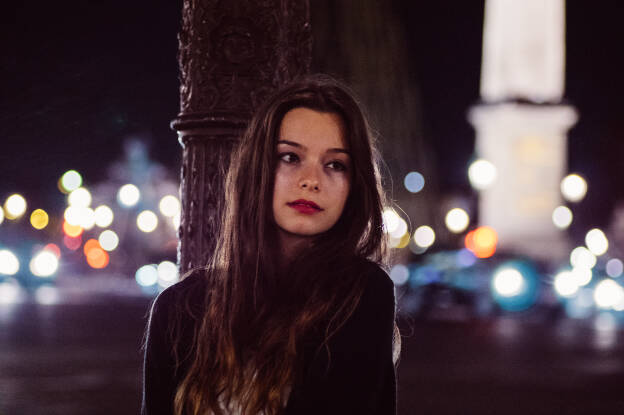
{"x":79,"y":78}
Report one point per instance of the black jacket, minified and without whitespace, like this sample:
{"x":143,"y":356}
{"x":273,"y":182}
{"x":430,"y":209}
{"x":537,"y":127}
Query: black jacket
{"x":361,"y":375}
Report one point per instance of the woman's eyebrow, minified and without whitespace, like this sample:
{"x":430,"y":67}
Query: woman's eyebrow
{"x":301,"y":146}
{"x":290,"y":143}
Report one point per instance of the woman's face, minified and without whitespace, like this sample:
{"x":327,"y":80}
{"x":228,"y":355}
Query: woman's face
{"x":312,"y":178}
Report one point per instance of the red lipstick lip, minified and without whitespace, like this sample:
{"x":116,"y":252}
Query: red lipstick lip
{"x":303,"y":202}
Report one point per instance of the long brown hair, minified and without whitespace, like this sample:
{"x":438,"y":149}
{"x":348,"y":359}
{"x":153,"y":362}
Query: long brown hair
{"x":248,"y":341}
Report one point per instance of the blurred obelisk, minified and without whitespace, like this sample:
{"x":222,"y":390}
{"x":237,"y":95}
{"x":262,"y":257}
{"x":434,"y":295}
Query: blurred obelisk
{"x":231,"y":55}
{"x":521,"y":125}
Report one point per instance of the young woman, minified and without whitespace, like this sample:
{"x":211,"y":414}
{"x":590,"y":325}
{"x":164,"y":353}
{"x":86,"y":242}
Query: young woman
{"x":294,"y":314}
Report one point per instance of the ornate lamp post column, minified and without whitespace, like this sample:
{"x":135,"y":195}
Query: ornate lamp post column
{"x":231,"y":55}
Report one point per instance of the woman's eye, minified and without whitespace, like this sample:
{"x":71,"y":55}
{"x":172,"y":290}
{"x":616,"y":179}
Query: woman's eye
{"x":289,"y":158}
{"x":337,"y":165}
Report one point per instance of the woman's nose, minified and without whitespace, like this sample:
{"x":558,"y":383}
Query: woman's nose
{"x":309,"y":180}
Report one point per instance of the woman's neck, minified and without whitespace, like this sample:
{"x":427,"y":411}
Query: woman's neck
{"x":290,"y":245}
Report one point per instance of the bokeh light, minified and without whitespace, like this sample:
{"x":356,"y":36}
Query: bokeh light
{"x":128,"y":195}
{"x":562,"y":217}
{"x":482,"y":174}
{"x":9,"y":264}
{"x":596,"y":241}
{"x":399,"y":242}
{"x":89,"y":245}
{"x":72,"y":243}
{"x":54,"y":249}
{"x":390,"y":220}
{"x":44,"y":264}
{"x":515,"y":285}
{"x":70,"y":181}
{"x":108,"y":240}
{"x":582,"y":276}
{"x":70,"y":230}
{"x":15,"y":206}
{"x":581,"y":257}
{"x":573,"y":188}
{"x":457,"y":220}
{"x":565,"y":284}
{"x":414,"y":182}
{"x":147,"y":275}
{"x":169,"y":206}
{"x":400,"y":230}
{"x":175,"y":221}
{"x":1,"y":214}
{"x":87,"y":218}
{"x":80,"y":197}
{"x":614,"y":267}
{"x":167,"y":273}
{"x":508,"y":282}
{"x":96,"y":257}
{"x":103,"y":216}
{"x":147,"y":221}
{"x":482,"y":241}
{"x":424,"y":236}
{"x":608,"y":294}
{"x":399,"y":274}
{"x":39,"y":219}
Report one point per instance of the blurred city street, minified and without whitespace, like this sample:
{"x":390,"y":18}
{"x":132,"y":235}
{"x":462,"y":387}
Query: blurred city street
{"x":79,"y":353}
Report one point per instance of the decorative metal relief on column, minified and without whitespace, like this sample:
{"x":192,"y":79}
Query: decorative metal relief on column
{"x":232,"y":55}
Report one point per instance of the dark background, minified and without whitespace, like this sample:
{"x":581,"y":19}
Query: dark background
{"x":77,"y":79}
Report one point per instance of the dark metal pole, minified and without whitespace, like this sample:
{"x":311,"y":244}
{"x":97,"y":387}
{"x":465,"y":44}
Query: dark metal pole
{"x":231,"y":55}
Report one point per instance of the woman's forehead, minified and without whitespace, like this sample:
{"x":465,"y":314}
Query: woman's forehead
{"x":309,"y":129}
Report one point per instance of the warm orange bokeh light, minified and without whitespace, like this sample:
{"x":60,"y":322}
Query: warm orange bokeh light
{"x":482,"y":241}
{"x":97,"y":257}
{"x":54,"y":249}
{"x":72,"y":231}
{"x":89,"y":245}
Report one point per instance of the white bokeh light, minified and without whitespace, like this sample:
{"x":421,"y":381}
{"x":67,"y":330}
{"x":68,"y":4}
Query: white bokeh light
{"x":608,"y":294}
{"x":147,"y":275}
{"x":581,"y":275}
{"x":457,"y":220}
{"x":44,"y":264}
{"x":175,"y":221}
{"x":400,"y":230}
{"x":71,"y":180}
{"x":103,"y":216}
{"x":108,"y":240}
{"x":562,"y":217}
{"x":128,"y":195}
{"x":482,"y":174}
{"x":581,"y":257}
{"x":424,"y":236}
{"x":80,"y":197}
{"x":15,"y":206}
{"x":573,"y":188}
{"x":87,"y":218}
{"x":565,"y":284}
{"x":508,"y":282}
{"x":169,"y":206}
{"x":147,"y":221}
{"x":9,"y":264}
{"x":597,"y":241}
{"x":390,"y":220}
{"x":1,"y":214}
{"x":614,"y":267}
{"x":167,"y":273}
